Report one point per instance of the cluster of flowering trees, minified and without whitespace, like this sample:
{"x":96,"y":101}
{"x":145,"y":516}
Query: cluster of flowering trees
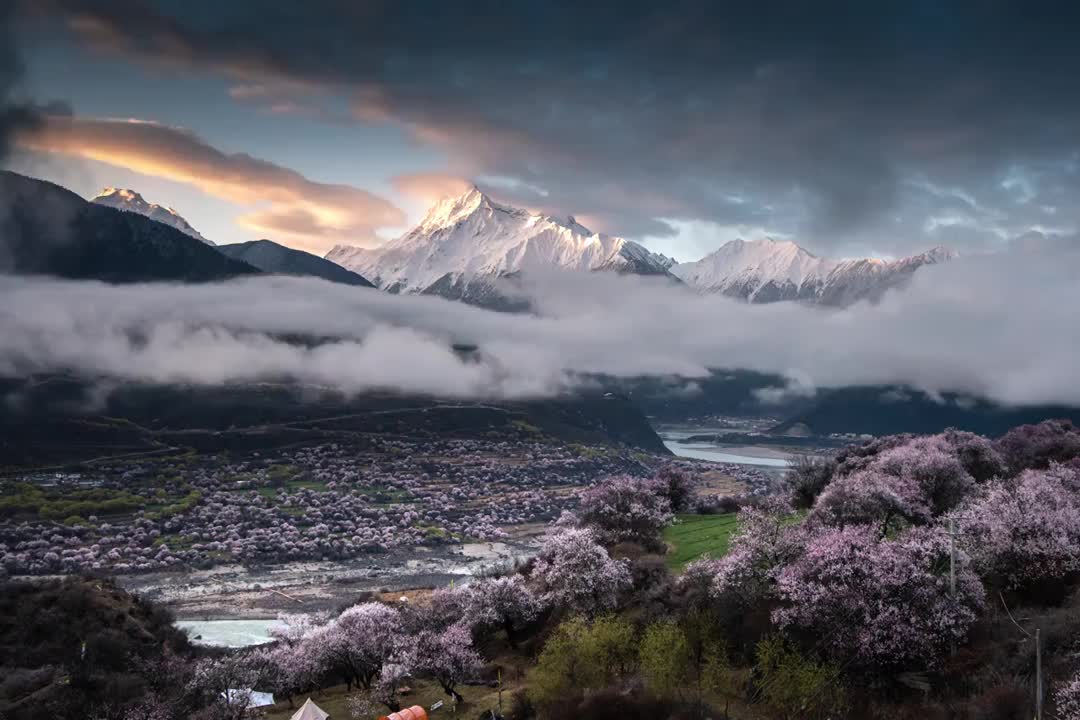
{"x":906,"y":480}
{"x":1036,"y":447}
{"x":374,"y":647}
{"x":871,"y":577}
{"x":331,"y":501}
{"x":1024,"y":530}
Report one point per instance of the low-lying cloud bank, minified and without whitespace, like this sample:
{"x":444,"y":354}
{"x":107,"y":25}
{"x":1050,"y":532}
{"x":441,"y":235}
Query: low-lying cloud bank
{"x":1003,"y":327}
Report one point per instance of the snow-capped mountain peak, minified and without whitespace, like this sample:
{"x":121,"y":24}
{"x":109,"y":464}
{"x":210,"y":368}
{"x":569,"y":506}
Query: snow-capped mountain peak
{"x":768,"y":270}
{"x":471,"y":237}
{"x":757,"y":262}
{"x":131,"y":201}
{"x":450,"y":210}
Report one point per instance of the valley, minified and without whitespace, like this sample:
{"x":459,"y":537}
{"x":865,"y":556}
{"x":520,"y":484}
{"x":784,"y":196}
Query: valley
{"x":238,"y":506}
{"x":260,"y":500}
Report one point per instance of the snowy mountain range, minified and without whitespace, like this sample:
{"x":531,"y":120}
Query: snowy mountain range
{"x":131,"y":201}
{"x":767,"y":270}
{"x":466,"y":242}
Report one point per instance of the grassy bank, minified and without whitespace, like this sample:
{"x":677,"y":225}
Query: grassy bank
{"x":695,"y":536}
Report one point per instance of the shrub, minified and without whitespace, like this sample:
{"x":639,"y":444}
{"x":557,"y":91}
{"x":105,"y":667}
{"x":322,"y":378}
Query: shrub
{"x":521,"y":707}
{"x":680,"y":660}
{"x":581,"y":655}
{"x":665,"y":659}
{"x":796,"y":685}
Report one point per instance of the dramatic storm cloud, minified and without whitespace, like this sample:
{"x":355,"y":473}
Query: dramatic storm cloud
{"x":854,"y":127}
{"x":15,"y":115}
{"x":1001,"y":327}
{"x":314,"y":215}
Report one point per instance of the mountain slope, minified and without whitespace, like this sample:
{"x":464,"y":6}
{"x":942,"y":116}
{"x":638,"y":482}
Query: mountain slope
{"x":889,"y":410}
{"x":131,"y":201}
{"x":270,"y":257}
{"x":48,"y":230}
{"x":768,"y":270}
{"x":470,"y":239}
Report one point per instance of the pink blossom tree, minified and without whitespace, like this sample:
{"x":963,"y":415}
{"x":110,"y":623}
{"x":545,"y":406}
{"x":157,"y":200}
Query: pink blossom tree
{"x":289,"y":670}
{"x":621,"y":508}
{"x":1067,"y":698}
{"x":363,"y":704}
{"x":932,"y":464}
{"x":1024,"y":530}
{"x":575,"y":573}
{"x":448,"y":656}
{"x":224,"y":685}
{"x":358,"y":642}
{"x":1036,"y":446}
{"x":504,"y":603}
{"x":878,"y":603}
{"x":871,"y":497}
{"x":977,"y":454}
{"x":767,"y":539}
{"x":444,"y":607}
{"x":674,"y":485}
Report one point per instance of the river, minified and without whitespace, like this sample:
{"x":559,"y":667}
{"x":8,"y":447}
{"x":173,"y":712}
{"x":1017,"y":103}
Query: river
{"x":675,"y":440}
{"x":715,"y":454}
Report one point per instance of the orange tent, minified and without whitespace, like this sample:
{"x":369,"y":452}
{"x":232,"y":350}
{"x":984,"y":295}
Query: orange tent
{"x":411,"y":713}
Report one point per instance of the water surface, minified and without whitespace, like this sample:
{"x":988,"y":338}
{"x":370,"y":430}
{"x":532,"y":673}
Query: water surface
{"x":228,"y":633}
{"x":715,"y":454}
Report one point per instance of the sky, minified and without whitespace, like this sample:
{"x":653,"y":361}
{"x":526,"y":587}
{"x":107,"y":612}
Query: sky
{"x":853,"y":128}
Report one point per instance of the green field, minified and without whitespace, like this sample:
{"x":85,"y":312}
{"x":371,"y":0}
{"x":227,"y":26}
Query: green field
{"x":695,"y":536}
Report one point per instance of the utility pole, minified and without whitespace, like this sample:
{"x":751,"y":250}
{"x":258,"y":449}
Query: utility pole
{"x":1038,"y":676}
{"x":1038,"y":659}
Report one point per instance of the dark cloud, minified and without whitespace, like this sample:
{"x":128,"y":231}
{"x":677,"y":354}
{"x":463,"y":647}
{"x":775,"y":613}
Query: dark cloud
{"x":811,"y":118}
{"x":15,"y":114}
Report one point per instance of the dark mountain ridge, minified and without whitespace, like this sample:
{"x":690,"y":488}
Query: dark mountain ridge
{"x":48,"y":230}
{"x":269,"y":256}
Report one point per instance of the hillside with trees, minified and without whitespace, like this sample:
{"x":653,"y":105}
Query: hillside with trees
{"x":907,"y":577}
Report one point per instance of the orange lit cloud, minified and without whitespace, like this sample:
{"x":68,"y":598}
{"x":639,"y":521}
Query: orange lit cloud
{"x":283,"y":203}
